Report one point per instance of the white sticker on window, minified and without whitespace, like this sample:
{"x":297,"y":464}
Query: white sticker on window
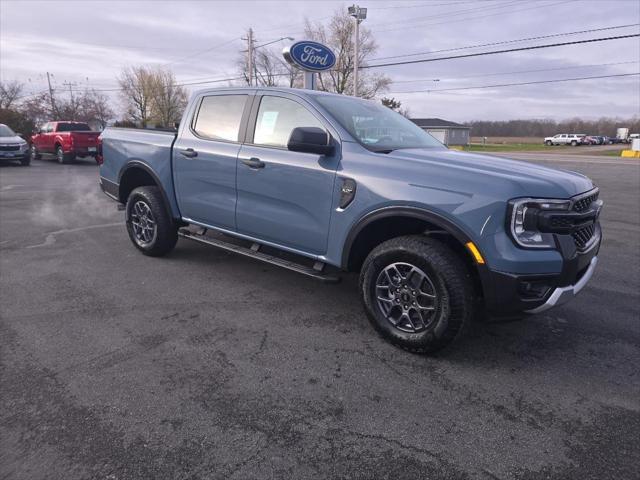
{"x":268,"y":122}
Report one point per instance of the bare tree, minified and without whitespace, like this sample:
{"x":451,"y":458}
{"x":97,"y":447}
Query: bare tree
{"x":269,"y":68}
{"x":9,"y":93}
{"x":395,"y":105}
{"x":338,"y":35}
{"x":137,"y":89}
{"x":169,"y":100}
{"x":37,"y":108}
{"x":96,"y":108}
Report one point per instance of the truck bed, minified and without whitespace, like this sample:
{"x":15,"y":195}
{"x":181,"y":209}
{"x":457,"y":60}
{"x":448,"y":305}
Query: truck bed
{"x":148,"y":149}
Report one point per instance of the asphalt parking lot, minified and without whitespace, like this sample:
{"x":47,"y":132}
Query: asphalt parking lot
{"x":205,"y":364}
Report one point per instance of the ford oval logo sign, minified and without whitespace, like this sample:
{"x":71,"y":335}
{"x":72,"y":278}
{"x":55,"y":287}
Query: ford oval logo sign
{"x":310,"y":56}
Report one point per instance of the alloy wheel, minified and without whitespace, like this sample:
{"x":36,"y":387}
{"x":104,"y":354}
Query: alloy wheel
{"x":144,"y":225}
{"x":406,"y":297}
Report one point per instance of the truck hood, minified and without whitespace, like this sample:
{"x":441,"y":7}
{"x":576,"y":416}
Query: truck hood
{"x":11,"y":140}
{"x":500,"y":174}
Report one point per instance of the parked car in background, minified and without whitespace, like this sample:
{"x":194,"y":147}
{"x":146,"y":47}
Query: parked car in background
{"x":572,"y":139}
{"x":66,"y":140}
{"x":13,"y":147}
{"x":437,"y":235}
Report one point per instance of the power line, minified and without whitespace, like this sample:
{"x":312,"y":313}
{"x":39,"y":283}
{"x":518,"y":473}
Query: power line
{"x":452,"y":13}
{"x":520,"y":49}
{"x":518,"y":84}
{"x":477,"y":17}
{"x":200,"y":52}
{"x":428,"y":4}
{"x":515,"y":72}
{"x":503,"y":42}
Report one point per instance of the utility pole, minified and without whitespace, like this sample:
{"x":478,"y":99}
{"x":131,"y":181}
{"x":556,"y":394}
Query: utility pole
{"x":73,"y":106}
{"x":53,"y":103}
{"x":250,"y":53}
{"x":359,"y":14}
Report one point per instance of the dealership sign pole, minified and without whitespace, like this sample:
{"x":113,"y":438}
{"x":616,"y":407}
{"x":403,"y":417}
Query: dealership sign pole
{"x":310,"y":57}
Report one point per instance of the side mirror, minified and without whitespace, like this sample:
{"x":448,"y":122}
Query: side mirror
{"x":176,"y":125}
{"x":310,"y":140}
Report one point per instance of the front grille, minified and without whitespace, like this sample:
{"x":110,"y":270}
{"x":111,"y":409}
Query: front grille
{"x":584,"y":203}
{"x":583,"y":238}
{"x":561,"y":222}
{"x":9,"y":148}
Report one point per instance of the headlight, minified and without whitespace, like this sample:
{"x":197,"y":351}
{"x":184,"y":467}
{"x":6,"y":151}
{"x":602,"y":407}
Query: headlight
{"x":524,"y":221}
{"x":24,"y":147}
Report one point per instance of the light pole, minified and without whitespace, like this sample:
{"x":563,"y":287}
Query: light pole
{"x":359,"y":14}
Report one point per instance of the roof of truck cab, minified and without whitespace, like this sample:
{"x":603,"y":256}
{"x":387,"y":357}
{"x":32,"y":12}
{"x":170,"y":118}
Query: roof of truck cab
{"x":296,"y":91}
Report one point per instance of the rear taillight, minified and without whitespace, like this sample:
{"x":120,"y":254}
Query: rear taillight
{"x":99,"y":157}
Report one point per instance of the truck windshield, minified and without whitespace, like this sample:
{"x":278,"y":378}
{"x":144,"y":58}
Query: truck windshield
{"x":6,"y":131}
{"x":376,"y":127}
{"x":73,"y":127}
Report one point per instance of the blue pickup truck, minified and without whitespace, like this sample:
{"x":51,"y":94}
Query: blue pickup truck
{"x":321,"y":183}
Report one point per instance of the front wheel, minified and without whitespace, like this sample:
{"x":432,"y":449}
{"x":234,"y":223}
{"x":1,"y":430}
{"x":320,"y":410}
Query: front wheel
{"x":417,"y":293}
{"x":34,"y":153}
{"x":549,"y":143}
{"x":150,"y":227}
{"x":26,"y":161}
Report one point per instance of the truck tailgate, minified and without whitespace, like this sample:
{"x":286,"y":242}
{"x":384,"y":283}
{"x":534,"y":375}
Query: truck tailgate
{"x":85,"y":139}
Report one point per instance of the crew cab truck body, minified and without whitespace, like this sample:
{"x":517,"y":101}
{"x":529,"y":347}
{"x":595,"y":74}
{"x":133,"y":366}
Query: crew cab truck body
{"x":66,"y":140}
{"x":346,"y":184}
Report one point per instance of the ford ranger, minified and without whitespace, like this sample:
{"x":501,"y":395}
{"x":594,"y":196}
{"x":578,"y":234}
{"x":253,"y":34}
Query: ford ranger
{"x":66,"y":140}
{"x":321,"y":183}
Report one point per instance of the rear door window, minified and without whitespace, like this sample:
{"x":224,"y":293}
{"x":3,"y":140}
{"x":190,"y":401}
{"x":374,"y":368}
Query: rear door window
{"x":219,"y":117}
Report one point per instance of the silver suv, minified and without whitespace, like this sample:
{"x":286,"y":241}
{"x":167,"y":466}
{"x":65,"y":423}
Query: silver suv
{"x":572,"y":139}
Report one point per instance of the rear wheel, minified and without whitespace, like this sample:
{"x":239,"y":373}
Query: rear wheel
{"x":417,"y":293}
{"x":574,"y":143}
{"x":64,"y":157}
{"x":150,"y":227}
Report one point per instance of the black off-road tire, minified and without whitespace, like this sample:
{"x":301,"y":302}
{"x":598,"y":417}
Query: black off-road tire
{"x":165,"y":237}
{"x":452,"y":283}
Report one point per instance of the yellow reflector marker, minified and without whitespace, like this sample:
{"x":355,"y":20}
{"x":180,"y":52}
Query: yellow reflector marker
{"x":475,"y":252}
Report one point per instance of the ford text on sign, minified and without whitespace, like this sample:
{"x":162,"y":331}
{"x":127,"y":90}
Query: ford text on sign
{"x":310,"y":56}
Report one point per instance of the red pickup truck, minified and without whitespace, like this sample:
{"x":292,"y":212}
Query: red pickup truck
{"x":67,"y":140}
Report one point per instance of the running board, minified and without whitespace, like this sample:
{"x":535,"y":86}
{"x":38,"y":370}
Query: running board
{"x":254,"y":252}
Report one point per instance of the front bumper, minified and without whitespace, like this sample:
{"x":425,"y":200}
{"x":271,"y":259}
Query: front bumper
{"x":511,"y":293}
{"x":562,"y":295}
{"x":14,"y":155}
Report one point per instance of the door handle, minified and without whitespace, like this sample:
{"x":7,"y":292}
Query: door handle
{"x":189,"y":153}
{"x":253,"y":162}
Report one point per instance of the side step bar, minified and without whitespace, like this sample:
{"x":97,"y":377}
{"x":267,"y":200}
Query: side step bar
{"x":254,"y":252}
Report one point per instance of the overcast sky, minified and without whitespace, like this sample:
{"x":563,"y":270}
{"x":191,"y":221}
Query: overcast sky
{"x":89,"y":42}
